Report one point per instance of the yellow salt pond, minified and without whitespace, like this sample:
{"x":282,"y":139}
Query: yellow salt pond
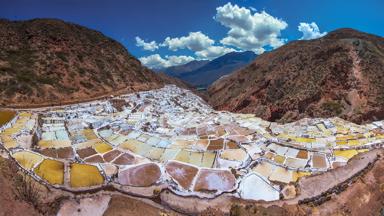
{"x":195,"y":158}
{"x":52,"y":171}
{"x":8,"y":141}
{"x":131,"y":145}
{"x":6,"y":116}
{"x":298,"y":175}
{"x":102,"y":148}
{"x":208,"y":159}
{"x":155,"y":153}
{"x":279,"y":159}
{"x":89,"y":143}
{"x":84,"y":175}
{"x":304,"y":140}
{"x":89,"y":134}
{"x":54,"y":143}
{"x":27,"y":159}
{"x":347,"y":154}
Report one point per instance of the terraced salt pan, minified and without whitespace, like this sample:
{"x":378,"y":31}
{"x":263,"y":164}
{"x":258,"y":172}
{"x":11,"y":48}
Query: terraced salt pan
{"x":84,"y":175}
{"x":256,"y":188}
{"x":102,"y":147}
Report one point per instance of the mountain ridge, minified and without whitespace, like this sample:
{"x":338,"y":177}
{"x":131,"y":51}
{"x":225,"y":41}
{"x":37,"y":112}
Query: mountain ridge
{"x":188,"y":67}
{"x":340,"y":74}
{"x":47,"y":62}
{"x":204,"y":73}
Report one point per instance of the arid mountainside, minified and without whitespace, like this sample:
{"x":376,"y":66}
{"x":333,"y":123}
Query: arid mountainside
{"x":46,"y":61}
{"x":341,"y":74}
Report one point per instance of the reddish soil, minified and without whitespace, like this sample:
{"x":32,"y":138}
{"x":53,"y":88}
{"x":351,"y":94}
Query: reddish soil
{"x":46,"y":62}
{"x":126,"y":206}
{"x":341,"y":74}
{"x":9,"y":204}
{"x":21,"y":195}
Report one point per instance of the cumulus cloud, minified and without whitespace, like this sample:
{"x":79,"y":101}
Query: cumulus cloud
{"x":250,"y":30}
{"x":213,"y":52}
{"x":150,"y":46}
{"x":310,"y":31}
{"x":157,"y":62}
{"x":198,"y":42}
{"x":195,"y":41}
{"x":179,"y":60}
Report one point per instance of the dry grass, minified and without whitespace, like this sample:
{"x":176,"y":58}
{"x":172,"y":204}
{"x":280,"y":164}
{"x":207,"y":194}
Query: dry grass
{"x":25,"y":189}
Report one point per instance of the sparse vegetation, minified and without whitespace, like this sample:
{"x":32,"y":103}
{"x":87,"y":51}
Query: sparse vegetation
{"x":26,"y":190}
{"x":42,"y":71}
{"x":62,"y":56}
{"x":296,"y":77}
{"x":333,"y":107}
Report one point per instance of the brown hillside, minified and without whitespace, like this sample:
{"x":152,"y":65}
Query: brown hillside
{"x":341,"y":74}
{"x":46,"y":61}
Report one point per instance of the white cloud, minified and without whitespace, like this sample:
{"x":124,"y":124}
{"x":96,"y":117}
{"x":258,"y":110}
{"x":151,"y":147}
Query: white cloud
{"x":252,"y":9}
{"x":156,"y":61}
{"x":250,"y":31}
{"x":150,"y":46}
{"x":198,"y":42}
{"x":195,"y":41}
{"x":213,"y":52}
{"x":310,"y":31}
{"x":179,"y":60}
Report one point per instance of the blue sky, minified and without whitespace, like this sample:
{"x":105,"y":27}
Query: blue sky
{"x":204,"y":29}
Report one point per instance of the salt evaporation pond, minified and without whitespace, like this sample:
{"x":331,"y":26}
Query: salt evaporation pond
{"x":6,"y":116}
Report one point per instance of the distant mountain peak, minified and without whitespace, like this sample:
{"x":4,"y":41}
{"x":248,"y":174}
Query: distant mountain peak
{"x":203,"y":73}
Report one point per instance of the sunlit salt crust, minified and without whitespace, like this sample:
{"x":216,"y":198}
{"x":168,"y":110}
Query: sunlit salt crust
{"x":171,"y":139}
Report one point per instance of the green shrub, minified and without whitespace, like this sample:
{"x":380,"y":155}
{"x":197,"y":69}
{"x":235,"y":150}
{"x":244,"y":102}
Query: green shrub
{"x":62,"y":56}
{"x":333,"y":107}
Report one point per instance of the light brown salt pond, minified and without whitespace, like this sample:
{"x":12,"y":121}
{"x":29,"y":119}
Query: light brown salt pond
{"x":265,"y":169}
{"x":125,"y":159}
{"x":319,"y":161}
{"x":216,"y":144}
{"x":6,"y":116}
{"x":234,"y":154}
{"x":183,"y":174}
{"x":215,"y":180}
{"x":282,"y":175}
{"x":143,"y":175}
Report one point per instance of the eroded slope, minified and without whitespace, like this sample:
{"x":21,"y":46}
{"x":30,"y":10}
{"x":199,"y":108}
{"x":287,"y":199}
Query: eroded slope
{"x":341,"y":74}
